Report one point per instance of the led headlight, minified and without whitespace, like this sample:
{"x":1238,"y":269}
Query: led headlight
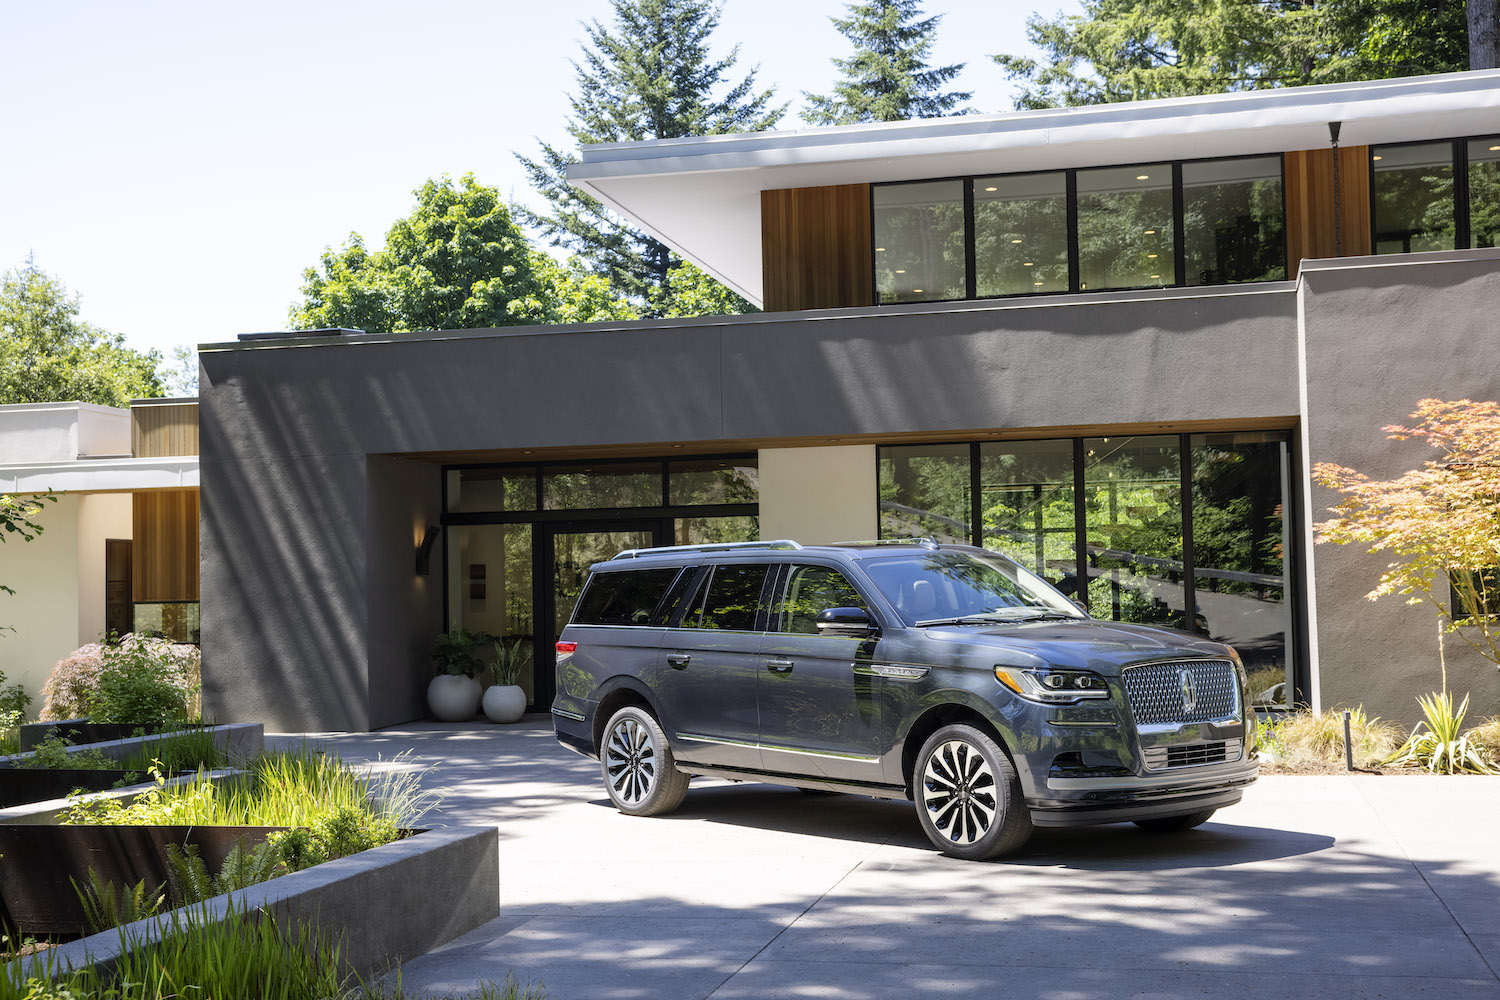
{"x":1054,"y":687}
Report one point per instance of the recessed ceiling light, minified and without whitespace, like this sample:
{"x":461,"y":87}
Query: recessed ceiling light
{"x":1083,"y":286}
{"x":1015,"y":241}
{"x":1493,"y":148}
{"x":1037,"y":283}
{"x":1029,"y":264}
{"x":1152,"y":256}
{"x":880,"y":249}
{"x":1156,"y":276}
{"x":916,"y":289}
{"x":900,"y":270}
{"x":1150,"y":232}
{"x":1374,"y":157}
{"x":1143,"y":177}
{"x":992,"y":189}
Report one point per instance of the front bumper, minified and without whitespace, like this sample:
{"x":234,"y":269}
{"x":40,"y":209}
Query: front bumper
{"x":1090,"y":801}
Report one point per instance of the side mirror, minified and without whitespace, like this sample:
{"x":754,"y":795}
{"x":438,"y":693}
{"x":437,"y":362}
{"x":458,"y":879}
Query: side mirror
{"x":1079,"y":605}
{"x":852,"y":622}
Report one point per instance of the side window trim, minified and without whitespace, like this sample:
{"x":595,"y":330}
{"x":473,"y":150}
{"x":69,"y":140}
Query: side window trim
{"x":777,"y":599}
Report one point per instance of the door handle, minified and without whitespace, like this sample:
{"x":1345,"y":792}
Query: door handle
{"x":779,"y":666}
{"x":678,"y":660}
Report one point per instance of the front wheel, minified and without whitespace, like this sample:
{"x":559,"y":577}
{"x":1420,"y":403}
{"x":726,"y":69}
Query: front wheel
{"x":969,"y":798}
{"x":639,"y":772}
{"x":1175,"y":824}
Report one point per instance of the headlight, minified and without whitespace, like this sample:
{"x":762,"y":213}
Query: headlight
{"x":1053,"y":687}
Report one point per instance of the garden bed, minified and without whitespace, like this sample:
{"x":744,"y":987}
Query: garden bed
{"x":22,"y":785}
{"x":238,"y":739}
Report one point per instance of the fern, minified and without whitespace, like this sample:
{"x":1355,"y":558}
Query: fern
{"x":190,"y":882}
{"x":246,"y":868}
{"x":103,"y":908}
{"x":187,"y":876}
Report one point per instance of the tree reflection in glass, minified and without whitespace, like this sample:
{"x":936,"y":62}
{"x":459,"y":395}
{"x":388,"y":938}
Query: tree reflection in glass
{"x":1133,"y":511}
{"x":1020,"y":234}
{"x":1026,"y":500}
{"x":1414,"y":197}
{"x":924,"y":492}
{"x":1484,"y":192}
{"x":919,"y":241}
{"x":1125,"y":234}
{"x":1233,"y":226}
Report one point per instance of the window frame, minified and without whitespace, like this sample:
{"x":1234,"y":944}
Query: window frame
{"x":1459,"y":164}
{"x":1071,"y":188}
{"x":779,"y":592}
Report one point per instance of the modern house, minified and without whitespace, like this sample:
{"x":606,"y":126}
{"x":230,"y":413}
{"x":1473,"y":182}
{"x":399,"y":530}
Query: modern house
{"x":119,"y":549}
{"x":1109,"y":341}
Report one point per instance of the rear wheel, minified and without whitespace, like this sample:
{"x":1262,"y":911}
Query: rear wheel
{"x":639,"y":772}
{"x":1175,"y":824}
{"x":969,"y":799}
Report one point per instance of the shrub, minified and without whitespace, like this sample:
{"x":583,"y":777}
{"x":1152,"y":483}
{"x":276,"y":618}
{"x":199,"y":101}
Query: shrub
{"x":1486,"y":737}
{"x":52,"y":754}
{"x":139,"y":679}
{"x":1307,"y":737}
{"x":69,"y":689}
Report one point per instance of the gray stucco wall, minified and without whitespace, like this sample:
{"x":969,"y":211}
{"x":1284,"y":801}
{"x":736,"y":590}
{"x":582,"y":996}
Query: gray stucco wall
{"x":311,"y":611}
{"x":1379,"y":334}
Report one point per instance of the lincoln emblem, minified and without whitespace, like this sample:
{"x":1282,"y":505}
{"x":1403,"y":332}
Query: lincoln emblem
{"x":1189,"y":691}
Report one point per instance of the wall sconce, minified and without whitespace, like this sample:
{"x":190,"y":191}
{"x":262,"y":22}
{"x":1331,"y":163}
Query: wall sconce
{"x":424,"y":550}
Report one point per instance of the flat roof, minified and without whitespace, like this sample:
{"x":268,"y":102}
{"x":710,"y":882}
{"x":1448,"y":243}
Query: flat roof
{"x":701,"y":196}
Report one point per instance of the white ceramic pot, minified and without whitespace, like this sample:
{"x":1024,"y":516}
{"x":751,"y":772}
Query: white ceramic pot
{"x":453,"y":697}
{"x":504,"y":702}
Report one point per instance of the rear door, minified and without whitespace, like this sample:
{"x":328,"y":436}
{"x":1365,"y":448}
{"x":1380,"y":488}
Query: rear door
{"x":819,"y":697}
{"x":710,"y":667}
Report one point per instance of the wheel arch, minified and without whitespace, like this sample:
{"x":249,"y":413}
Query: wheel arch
{"x":615,"y":694}
{"x":935,"y":717}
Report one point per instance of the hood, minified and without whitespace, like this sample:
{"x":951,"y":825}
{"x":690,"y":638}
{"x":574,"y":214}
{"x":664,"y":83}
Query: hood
{"x":1105,"y":647}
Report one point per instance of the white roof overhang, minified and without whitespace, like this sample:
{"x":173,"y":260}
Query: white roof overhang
{"x":101,"y":475}
{"x":701,"y":196}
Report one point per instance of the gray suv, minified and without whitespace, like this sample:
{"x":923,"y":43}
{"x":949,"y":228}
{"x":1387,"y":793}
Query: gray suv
{"x":944,"y":674}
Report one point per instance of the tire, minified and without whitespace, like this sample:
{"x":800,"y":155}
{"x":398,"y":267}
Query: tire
{"x":639,"y":773}
{"x":1175,"y":824}
{"x":968,"y":797}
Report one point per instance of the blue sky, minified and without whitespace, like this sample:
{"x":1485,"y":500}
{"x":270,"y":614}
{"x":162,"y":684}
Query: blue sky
{"x":180,"y":164}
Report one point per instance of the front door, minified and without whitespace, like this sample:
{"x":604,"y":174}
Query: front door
{"x":569,"y":550}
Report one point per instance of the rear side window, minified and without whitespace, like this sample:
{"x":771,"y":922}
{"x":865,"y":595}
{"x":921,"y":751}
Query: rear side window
{"x":730,"y":600}
{"x":628,"y":598}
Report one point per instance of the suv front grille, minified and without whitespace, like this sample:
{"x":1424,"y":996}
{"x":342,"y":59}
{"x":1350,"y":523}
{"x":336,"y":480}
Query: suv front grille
{"x":1181,"y":691}
{"x":1192,"y":754}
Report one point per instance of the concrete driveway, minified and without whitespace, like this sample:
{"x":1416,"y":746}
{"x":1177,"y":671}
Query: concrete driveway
{"x":1313,"y":887}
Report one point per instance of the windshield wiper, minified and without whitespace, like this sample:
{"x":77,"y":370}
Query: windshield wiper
{"x":1000,"y":616}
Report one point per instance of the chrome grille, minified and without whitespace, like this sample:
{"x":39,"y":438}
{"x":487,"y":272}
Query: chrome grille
{"x":1181,"y":691}
{"x":1192,"y":754}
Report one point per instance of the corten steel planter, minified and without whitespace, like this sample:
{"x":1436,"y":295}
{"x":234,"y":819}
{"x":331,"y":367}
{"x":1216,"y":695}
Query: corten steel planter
{"x":36,"y":896}
{"x":80,"y":731}
{"x":22,"y":785}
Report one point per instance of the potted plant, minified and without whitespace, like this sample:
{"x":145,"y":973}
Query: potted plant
{"x":505,"y":700}
{"x":453,"y":695}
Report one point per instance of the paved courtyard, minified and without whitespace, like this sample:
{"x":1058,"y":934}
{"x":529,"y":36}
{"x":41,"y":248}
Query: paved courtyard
{"x":1337,"y":887}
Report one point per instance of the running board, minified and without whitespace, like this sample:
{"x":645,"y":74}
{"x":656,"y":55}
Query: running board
{"x":817,"y":784}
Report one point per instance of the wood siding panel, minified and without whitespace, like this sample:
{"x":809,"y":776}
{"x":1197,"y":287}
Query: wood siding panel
{"x":165,"y":549}
{"x":162,"y":430}
{"x":815,"y":246}
{"x":1309,"y":204}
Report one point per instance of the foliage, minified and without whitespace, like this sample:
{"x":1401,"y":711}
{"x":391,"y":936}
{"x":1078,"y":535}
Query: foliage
{"x":113,"y":682}
{"x":179,"y":750}
{"x":47,"y":354}
{"x":690,"y":292}
{"x":105,"y":907}
{"x":189,"y":881}
{"x":1126,"y":50}
{"x":511,"y":661}
{"x":52,"y":754}
{"x":179,"y":375}
{"x":456,"y":262}
{"x":13,"y":702}
{"x":649,"y":76}
{"x":887,"y":79}
{"x":1439,"y":743}
{"x":457,"y":652}
{"x":1486,"y":737}
{"x":1441,"y":522}
{"x":1307,"y":736}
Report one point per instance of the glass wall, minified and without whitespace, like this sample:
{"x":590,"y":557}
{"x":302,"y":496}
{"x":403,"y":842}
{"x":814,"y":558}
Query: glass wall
{"x":177,"y":620}
{"x":1125,"y":231}
{"x":1211,"y":563}
{"x":597,"y":484}
{"x":1413,"y":196}
{"x":1233,"y":221}
{"x":490,"y":586}
{"x":1484,"y":192}
{"x":1020,"y":234}
{"x":919,"y":241}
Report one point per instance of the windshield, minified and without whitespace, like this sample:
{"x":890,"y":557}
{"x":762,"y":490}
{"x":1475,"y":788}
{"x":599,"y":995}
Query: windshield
{"x":943,"y":587}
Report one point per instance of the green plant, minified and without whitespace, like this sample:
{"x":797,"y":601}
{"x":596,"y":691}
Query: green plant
{"x":52,"y":754}
{"x":140,"y":683}
{"x":457,"y":652}
{"x":179,"y":750}
{"x":1486,"y":738}
{"x":510,"y":661}
{"x":189,"y":881}
{"x":1307,"y":736}
{"x":104,"y":907}
{"x":13,"y":699}
{"x":1439,"y":744}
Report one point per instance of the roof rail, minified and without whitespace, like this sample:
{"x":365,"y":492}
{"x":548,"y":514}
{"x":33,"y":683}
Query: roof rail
{"x":780,"y":543}
{"x":924,"y":541}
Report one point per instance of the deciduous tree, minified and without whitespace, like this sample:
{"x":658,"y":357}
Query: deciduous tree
{"x":649,"y":76}
{"x":1439,"y":523}
{"x":888,"y":78}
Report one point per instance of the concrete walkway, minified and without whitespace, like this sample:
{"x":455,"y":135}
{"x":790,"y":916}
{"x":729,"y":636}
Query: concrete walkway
{"x":1313,"y":887}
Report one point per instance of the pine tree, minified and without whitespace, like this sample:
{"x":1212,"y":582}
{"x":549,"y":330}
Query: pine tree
{"x":649,"y":76}
{"x":887,"y":79}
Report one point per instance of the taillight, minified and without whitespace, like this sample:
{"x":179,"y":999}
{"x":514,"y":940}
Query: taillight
{"x":566,"y":647}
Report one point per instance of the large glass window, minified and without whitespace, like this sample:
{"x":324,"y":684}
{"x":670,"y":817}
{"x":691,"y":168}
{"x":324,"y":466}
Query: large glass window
{"x":924,"y":492}
{"x":1414,"y":203}
{"x":1026,"y":503}
{"x":1020,"y":234}
{"x":1233,"y":221}
{"x":712,"y":480}
{"x":489,"y":586}
{"x":569,"y":487}
{"x":492,"y":489}
{"x":1484,"y":192}
{"x":1133,"y":508}
{"x":919,"y":241}
{"x":1125,"y":230}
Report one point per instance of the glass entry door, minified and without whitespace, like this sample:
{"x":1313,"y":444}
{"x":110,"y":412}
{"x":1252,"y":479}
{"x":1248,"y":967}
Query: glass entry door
{"x":571,"y":548}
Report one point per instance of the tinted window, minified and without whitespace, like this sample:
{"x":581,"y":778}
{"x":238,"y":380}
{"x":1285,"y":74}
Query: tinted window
{"x":730,"y":600}
{"x":919,"y":241}
{"x":1413,"y":197}
{"x":1125,"y":233}
{"x":809,"y":590}
{"x":623,"y":598}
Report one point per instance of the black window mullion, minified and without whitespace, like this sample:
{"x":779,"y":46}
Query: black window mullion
{"x":1080,"y":527}
{"x":970,"y":278}
{"x":1461,"y":222}
{"x":1189,"y":562}
{"x":1179,"y":227}
{"x":1072,"y":213}
{"x":666,"y":496}
{"x":976,"y":524}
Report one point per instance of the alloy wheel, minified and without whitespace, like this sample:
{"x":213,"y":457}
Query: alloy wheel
{"x":960,"y":794}
{"x":630,"y":761}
